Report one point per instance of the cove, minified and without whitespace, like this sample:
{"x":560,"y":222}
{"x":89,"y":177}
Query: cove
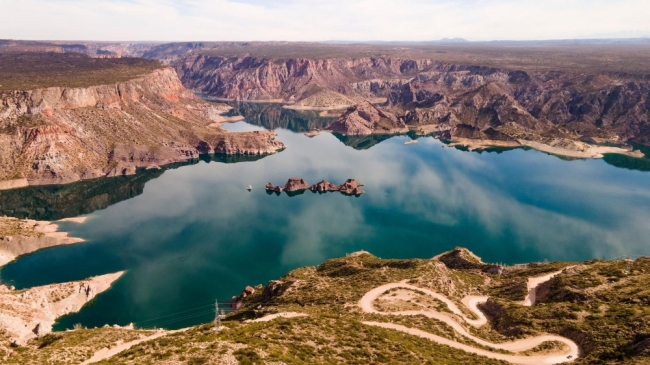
{"x":191,"y":233}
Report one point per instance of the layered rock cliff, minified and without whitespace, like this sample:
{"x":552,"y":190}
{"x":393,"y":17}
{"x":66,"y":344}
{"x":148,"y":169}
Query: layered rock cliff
{"x":364,"y":119}
{"x":59,"y":134}
{"x":259,"y":78}
{"x":545,"y":105}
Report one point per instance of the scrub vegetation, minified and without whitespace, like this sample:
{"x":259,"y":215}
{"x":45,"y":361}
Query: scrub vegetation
{"x":600,"y":305}
{"x":34,"y":70}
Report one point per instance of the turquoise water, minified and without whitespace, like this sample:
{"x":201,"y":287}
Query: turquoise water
{"x":191,"y":234}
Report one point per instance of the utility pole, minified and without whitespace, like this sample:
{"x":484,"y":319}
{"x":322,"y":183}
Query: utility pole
{"x":217,"y":318}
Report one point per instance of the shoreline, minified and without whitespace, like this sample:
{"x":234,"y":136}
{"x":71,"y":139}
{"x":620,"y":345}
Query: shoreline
{"x":33,"y":236}
{"x":316,"y":108}
{"x":20,"y":318}
{"x":592,"y":152}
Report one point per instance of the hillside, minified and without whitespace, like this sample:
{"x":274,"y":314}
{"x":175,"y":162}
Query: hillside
{"x":135,"y":114}
{"x":482,"y":94}
{"x":321,"y":315}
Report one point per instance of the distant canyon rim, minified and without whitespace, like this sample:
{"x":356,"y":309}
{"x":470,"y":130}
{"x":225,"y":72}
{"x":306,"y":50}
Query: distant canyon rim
{"x":580,"y":100}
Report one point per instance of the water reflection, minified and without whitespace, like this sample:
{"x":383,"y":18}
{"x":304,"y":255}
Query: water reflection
{"x":195,"y":233}
{"x":53,"y":202}
{"x":274,"y":116}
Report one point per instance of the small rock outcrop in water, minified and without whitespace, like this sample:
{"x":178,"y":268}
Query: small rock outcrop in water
{"x":351,"y":187}
{"x":364,"y":118}
{"x":297,"y":184}
{"x":324,"y":186}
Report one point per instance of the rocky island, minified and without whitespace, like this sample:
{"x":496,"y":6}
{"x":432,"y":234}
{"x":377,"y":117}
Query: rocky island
{"x":294,"y":184}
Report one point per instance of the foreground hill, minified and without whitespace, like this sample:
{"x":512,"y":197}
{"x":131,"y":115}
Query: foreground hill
{"x":451,"y":309}
{"x":80,"y":118}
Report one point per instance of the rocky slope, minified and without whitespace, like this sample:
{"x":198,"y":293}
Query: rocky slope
{"x":292,"y":80}
{"x":30,"y":313}
{"x":61,"y":134}
{"x":599,"y":305}
{"x":549,"y":105}
{"x":364,"y":119}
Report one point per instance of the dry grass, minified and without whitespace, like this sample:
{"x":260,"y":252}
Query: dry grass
{"x":31,"y":70}
{"x":626,"y":58}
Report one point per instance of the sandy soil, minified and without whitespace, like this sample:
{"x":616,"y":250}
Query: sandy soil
{"x":591,"y":152}
{"x":27,"y":313}
{"x":220,"y":121}
{"x":74,"y":220}
{"x":330,"y":114}
{"x":12,"y":184}
{"x":312,"y":133}
{"x":317,"y":108}
{"x":106,"y":353}
{"x":471,"y":302}
{"x":426,"y":129}
{"x":271,"y":317}
{"x":32,"y":236}
{"x":479,"y":144}
{"x":533,"y":283}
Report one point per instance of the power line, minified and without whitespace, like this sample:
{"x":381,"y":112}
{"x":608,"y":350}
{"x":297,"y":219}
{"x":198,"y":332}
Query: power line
{"x":182,"y":318}
{"x":177,"y":313}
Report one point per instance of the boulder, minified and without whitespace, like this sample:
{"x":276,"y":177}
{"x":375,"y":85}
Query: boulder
{"x":269,"y":186}
{"x":248,"y":291}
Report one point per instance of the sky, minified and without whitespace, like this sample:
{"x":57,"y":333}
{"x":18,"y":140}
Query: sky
{"x":319,"y":20}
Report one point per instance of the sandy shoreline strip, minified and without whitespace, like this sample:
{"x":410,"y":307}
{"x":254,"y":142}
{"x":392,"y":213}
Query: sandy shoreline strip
{"x":78,"y":220}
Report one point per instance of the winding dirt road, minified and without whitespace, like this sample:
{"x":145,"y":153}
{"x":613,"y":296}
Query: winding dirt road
{"x":533,"y":283}
{"x":471,"y":302}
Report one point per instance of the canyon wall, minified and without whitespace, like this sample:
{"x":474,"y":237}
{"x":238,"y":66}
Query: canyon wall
{"x":60,"y":135}
{"x":474,"y":102}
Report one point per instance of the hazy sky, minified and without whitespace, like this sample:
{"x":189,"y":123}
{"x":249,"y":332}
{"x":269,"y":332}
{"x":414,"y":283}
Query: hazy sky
{"x":180,"y":20}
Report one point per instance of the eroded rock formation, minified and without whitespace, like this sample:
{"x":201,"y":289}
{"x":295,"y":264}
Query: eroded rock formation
{"x":60,"y":135}
{"x":364,"y":118}
{"x":295,"y":184}
{"x":501,"y":106}
{"x":323,"y":186}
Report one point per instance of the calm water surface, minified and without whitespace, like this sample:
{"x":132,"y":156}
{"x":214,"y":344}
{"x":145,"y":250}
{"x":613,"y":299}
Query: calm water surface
{"x":191,"y":234}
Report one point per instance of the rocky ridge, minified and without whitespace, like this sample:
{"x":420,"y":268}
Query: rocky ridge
{"x":494,"y":106}
{"x":364,"y":119}
{"x":297,"y":184}
{"x":60,"y":135}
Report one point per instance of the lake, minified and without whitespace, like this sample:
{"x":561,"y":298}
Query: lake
{"x":191,"y":233}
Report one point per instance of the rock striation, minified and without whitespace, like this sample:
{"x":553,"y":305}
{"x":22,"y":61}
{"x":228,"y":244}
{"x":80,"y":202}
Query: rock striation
{"x":59,"y":135}
{"x":297,"y":184}
{"x":364,"y":118}
{"x":492,"y":105}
